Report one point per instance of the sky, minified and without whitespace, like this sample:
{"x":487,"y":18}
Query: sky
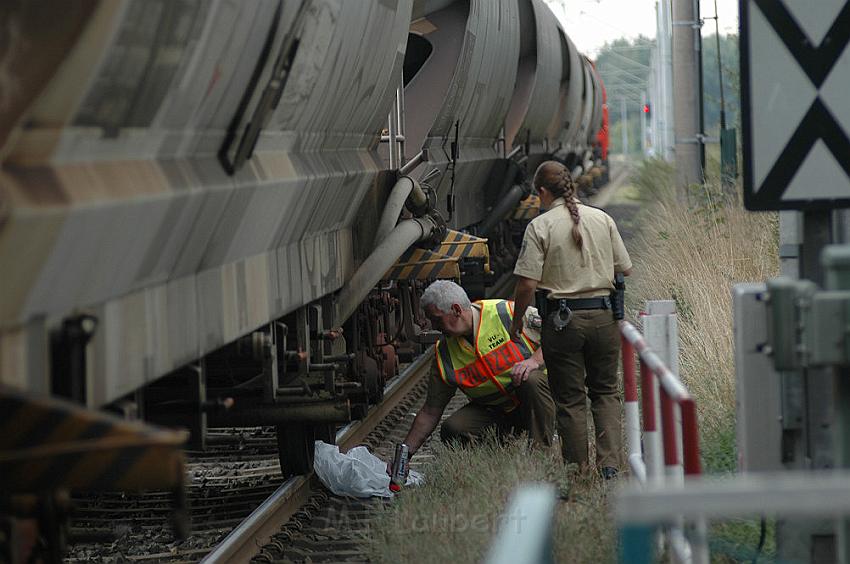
{"x":590,"y":23}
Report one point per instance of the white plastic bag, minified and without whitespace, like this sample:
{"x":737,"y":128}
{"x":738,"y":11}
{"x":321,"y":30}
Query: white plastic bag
{"x":359,"y":473}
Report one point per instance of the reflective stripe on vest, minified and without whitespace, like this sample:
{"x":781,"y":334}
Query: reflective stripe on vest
{"x":484,"y":374}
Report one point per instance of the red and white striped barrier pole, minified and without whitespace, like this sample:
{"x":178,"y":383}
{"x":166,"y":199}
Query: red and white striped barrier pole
{"x":690,"y":438}
{"x":673,"y":393}
{"x":651,"y":433}
{"x":672,"y":465}
{"x":671,"y":452}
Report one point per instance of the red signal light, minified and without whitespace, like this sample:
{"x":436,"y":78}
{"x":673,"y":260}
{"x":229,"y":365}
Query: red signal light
{"x":646,"y":108}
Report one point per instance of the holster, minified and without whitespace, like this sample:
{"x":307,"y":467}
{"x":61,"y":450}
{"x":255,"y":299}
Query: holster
{"x":540,"y":299}
{"x":618,"y":296}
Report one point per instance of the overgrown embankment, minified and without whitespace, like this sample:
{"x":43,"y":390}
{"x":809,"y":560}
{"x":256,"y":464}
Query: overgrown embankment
{"x":456,"y":515}
{"x":693,"y":248}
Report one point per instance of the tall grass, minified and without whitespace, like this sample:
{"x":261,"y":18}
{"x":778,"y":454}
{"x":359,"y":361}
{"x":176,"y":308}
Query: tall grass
{"x":456,"y":514}
{"x":693,"y":249}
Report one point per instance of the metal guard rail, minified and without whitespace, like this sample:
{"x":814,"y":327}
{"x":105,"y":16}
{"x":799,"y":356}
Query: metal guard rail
{"x":653,"y":456}
{"x":672,"y":392}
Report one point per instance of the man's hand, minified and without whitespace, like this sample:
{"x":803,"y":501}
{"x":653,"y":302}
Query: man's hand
{"x":521,"y":370}
{"x":390,"y":470}
{"x":516,"y":329}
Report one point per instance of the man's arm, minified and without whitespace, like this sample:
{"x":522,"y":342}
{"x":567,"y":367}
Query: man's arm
{"x":523,"y":296}
{"x":423,"y":425}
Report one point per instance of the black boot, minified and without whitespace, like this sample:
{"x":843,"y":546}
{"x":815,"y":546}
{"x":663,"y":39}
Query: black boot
{"x":609,"y":472}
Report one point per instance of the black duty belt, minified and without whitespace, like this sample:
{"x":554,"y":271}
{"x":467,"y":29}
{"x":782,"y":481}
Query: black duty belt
{"x":575,"y":304}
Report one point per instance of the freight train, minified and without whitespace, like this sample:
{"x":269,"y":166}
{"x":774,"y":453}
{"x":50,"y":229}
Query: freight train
{"x":222,"y":213}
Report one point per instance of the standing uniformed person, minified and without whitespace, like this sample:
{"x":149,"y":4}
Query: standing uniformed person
{"x":569,"y":256}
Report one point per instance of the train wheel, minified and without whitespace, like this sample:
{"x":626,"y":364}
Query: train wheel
{"x":371,"y":377}
{"x":325,"y":433}
{"x":296,"y":444}
{"x":295,"y":448}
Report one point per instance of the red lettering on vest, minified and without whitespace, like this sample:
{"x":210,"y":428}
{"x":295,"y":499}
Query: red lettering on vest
{"x":470,"y":376}
{"x":503,"y":358}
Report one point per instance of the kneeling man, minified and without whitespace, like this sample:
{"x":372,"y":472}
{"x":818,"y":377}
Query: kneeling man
{"x":503,"y":379}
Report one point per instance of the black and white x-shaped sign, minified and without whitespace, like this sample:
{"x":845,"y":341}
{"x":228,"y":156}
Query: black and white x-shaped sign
{"x":795,"y":70}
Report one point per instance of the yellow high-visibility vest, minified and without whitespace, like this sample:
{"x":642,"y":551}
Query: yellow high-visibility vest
{"x":483,"y":373}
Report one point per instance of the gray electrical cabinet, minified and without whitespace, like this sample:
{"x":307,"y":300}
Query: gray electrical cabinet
{"x":758,"y":398}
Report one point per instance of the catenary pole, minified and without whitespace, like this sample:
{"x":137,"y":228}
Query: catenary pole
{"x":624,"y":125}
{"x":686,"y":92}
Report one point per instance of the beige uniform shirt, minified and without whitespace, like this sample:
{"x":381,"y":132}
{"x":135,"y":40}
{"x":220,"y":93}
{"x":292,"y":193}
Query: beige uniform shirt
{"x":440,"y":393}
{"x":550,"y":256}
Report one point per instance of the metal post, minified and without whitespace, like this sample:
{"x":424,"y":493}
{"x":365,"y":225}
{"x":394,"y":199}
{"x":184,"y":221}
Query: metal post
{"x":651,"y":435}
{"x":672,"y":464}
{"x":525,"y":534}
{"x":759,"y":422}
{"x":197,"y":386}
{"x":700,"y":89}
{"x":809,"y":446}
{"x":719,"y":68}
{"x":661,"y":330}
{"x":624,"y":125}
{"x":399,"y":100}
{"x":692,"y":467}
{"x":643,"y":123}
{"x":836,"y":261}
{"x":637,"y":544}
{"x":686,"y":92}
{"x":817,"y":234}
{"x":728,"y":138}
{"x":655,"y":91}
{"x":392,"y":133}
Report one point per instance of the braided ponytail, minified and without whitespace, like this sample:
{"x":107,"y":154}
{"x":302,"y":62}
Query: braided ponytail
{"x":555,"y":177}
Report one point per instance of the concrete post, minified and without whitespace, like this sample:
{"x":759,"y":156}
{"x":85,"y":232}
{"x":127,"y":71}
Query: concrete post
{"x":686,"y":95}
{"x":666,"y":105}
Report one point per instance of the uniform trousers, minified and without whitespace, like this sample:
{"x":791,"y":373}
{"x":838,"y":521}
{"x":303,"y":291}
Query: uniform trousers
{"x":534,"y":415}
{"x":582,"y":362}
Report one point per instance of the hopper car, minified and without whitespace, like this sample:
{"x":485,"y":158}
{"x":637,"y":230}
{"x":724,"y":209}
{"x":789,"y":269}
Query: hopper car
{"x":223,"y":213}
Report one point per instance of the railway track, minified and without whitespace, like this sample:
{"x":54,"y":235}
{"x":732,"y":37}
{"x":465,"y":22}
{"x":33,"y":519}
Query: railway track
{"x":331,"y":528}
{"x":237,"y":497}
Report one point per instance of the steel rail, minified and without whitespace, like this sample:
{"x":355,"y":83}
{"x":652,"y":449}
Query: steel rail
{"x":246,"y":540}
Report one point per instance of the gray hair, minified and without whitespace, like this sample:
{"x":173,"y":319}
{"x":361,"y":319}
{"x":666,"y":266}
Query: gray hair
{"x":441,"y":294}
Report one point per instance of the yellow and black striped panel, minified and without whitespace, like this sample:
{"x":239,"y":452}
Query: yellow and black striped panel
{"x":46,"y":443}
{"x":461,"y":245}
{"x":419,"y":264}
{"x":529,"y":208}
